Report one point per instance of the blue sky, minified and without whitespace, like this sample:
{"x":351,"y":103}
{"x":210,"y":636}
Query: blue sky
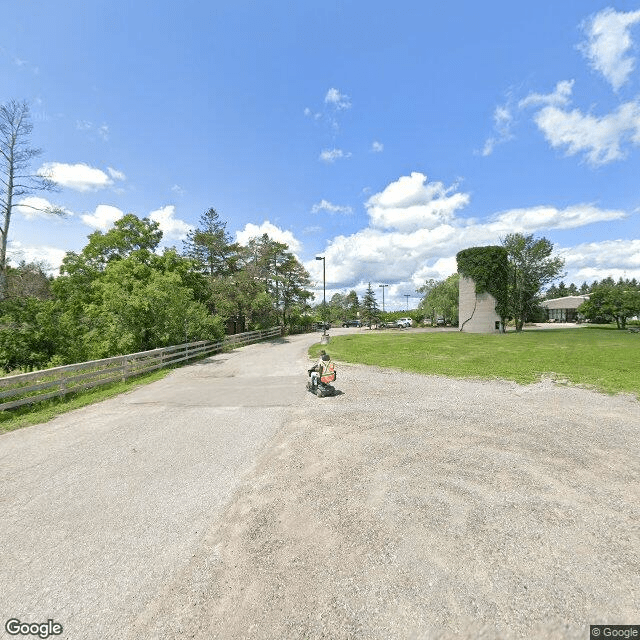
{"x":384,"y":136}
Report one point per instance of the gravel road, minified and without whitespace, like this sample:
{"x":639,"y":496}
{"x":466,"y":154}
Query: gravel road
{"x":226,"y":502}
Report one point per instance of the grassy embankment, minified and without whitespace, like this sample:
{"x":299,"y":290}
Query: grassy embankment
{"x":43,"y":411}
{"x":599,"y":358}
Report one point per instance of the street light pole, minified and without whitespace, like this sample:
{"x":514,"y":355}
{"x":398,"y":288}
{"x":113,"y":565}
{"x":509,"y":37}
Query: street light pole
{"x":324,"y":294}
{"x":383,"y":286}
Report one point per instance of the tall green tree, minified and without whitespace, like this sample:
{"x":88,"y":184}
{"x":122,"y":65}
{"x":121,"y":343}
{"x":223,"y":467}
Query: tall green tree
{"x":283,"y":280}
{"x":617,"y":301}
{"x":531,"y":268}
{"x":29,"y":280}
{"x":370,"y":310}
{"x":139,"y":306}
{"x":118,"y":295}
{"x":30,"y":333}
{"x":211,"y":246}
{"x":337,"y":307}
{"x":16,"y":177}
{"x":352,"y":305}
{"x":294,"y":290}
{"x":441,"y":299}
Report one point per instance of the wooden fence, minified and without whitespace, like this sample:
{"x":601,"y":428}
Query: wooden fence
{"x":28,"y":388}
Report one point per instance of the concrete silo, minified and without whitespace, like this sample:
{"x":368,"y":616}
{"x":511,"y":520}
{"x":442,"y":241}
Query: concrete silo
{"x":483,"y":289}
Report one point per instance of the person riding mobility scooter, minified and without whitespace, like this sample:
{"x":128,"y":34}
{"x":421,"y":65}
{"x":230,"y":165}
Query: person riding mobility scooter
{"x":320,"y":375}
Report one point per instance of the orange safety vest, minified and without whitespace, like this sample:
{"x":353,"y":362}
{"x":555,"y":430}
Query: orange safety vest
{"x":327,"y":372}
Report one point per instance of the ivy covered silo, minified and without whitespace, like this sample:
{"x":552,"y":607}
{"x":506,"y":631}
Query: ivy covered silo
{"x":483,"y":289}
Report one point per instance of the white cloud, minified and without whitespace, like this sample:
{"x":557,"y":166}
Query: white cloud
{"x":51,"y":256}
{"x":547,"y":217}
{"x":103,"y":218}
{"x":331,"y":155}
{"x":79,"y":177}
{"x":502,"y":123}
{"x":115,"y":174}
{"x":608,"y":43}
{"x":559,"y":98}
{"x":275,"y":233}
{"x":325,"y":205}
{"x":338,"y":100}
{"x":410,"y":204}
{"x":36,"y":207}
{"x":597,"y":260}
{"x":418,"y":240}
{"x":600,"y":139}
{"x":172,"y":228}
{"x":377,"y":147}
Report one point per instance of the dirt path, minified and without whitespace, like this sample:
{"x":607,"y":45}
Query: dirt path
{"x":405,"y":507}
{"x":423,"y":507}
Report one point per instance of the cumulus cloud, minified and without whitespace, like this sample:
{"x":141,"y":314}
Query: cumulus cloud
{"x":51,"y":256}
{"x":274,"y":232}
{"x":547,"y":217}
{"x":597,"y":260}
{"x":600,"y":139}
{"x":80,"y":176}
{"x":410,"y":204}
{"x":377,"y":147}
{"x":415,"y":232}
{"x":36,"y":207}
{"x":325,"y":205}
{"x":172,"y":228}
{"x":103,"y":218}
{"x":608,"y":43}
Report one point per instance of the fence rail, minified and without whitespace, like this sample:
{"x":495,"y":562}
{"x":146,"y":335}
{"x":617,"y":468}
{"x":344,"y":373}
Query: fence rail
{"x":28,"y":388}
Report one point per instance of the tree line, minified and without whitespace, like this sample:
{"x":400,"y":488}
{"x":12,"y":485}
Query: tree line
{"x":121,"y":295}
{"x":531,"y":268}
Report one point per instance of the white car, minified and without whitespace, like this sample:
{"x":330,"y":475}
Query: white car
{"x":404,"y":322}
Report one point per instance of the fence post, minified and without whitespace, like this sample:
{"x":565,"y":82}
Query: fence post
{"x":124,"y":368}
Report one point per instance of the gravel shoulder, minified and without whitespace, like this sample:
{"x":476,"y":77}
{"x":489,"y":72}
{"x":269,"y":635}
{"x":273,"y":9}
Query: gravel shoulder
{"x":423,"y":507}
{"x":225,"y":501}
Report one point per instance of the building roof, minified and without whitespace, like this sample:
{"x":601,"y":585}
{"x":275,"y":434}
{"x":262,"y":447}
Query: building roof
{"x":568,"y":302}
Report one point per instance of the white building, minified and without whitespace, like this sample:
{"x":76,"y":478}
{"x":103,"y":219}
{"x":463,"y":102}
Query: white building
{"x":564,"y":309}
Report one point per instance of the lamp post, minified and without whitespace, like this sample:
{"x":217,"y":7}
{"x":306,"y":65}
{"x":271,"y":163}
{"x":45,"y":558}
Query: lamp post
{"x":383,"y":286}
{"x":324,"y":294}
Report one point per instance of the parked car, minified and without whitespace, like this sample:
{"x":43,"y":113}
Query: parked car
{"x":320,"y":326}
{"x":404,"y":322}
{"x":352,"y":323}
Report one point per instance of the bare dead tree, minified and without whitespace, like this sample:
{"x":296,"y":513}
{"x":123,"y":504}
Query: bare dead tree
{"x":16,"y":178}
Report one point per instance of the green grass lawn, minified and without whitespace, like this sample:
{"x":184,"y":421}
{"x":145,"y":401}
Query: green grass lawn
{"x":599,"y":358}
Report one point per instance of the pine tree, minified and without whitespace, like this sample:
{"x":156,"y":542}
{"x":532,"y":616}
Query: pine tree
{"x":370,"y":310}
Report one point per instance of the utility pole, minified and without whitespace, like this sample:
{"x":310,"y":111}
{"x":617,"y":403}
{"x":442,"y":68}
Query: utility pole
{"x":383,"y":286}
{"x":324,"y":294}
{"x":407,"y":295}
